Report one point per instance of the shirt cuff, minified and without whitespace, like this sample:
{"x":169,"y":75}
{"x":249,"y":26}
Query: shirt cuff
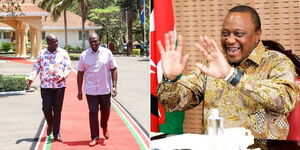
{"x":247,"y":84}
{"x":32,"y":75}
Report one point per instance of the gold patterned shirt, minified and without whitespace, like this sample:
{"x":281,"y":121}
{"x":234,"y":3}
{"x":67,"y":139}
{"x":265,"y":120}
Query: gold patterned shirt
{"x":261,"y":101}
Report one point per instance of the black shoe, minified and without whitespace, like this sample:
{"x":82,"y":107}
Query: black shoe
{"x":49,"y":130}
{"x":58,"y":138}
{"x":106,"y":133}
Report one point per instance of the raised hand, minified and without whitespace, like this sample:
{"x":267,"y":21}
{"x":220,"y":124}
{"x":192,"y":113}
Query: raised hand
{"x":172,"y":61}
{"x":217,"y":66}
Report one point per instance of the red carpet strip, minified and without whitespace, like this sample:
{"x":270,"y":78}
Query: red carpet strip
{"x":75,"y":127}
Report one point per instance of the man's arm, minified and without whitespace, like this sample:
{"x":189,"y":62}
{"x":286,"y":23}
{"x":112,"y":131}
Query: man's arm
{"x":114,"y":78}
{"x":68,"y":65}
{"x":35,"y":70}
{"x":67,"y":68}
{"x":183,"y":94}
{"x":79,"y":84}
{"x":279,"y":92}
{"x":173,"y":93}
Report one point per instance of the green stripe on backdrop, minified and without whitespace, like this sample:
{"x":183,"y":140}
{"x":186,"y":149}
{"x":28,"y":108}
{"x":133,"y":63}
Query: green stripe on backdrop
{"x":173,"y":123}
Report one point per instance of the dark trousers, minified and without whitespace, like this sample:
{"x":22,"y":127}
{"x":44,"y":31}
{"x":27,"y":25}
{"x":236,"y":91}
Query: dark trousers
{"x":94,"y":101}
{"x":52,"y":106}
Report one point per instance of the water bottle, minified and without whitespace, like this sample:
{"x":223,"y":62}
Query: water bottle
{"x":215,"y":130}
{"x":215,"y":123}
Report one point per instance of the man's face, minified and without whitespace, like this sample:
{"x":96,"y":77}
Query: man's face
{"x":52,"y":44}
{"x":238,"y":36}
{"x":94,"y":43}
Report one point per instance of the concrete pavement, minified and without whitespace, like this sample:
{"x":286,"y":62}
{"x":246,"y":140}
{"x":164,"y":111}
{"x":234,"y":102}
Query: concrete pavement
{"x":21,"y":115}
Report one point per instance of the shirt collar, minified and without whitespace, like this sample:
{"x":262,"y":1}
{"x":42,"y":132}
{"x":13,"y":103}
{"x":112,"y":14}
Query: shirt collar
{"x":256,"y":55}
{"x":56,"y":51}
{"x":92,"y":52}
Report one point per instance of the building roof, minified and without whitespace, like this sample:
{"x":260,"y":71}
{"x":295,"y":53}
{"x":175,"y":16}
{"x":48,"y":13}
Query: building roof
{"x":73,"y":22}
{"x":28,"y":10}
{"x":5,"y":27}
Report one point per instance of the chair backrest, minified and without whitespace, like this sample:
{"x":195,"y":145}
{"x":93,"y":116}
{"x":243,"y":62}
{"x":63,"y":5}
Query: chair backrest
{"x":273,"y":45}
{"x":294,"y":116}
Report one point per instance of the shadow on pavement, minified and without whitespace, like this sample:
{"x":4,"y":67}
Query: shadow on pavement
{"x":27,"y":140}
{"x":76,"y":143}
{"x":144,"y":59}
{"x":37,"y":135}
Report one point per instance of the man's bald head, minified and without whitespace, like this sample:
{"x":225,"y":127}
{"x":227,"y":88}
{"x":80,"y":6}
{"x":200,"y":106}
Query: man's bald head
{"x":50,"y":37}
{"x":94,"y":41}
{"x":94,"y":35}
{"x":52,"y":42}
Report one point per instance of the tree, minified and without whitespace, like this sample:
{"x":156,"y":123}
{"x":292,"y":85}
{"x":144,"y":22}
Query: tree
{"x":62,"y":5}
{"x":84,"y":5}
{"x":56,"y":7}
{"x":81,"y":7}
{"x":131,"y":9}
{"x":113,"y":28}
{"x":95,"y":4}
{"x":11,"y":7}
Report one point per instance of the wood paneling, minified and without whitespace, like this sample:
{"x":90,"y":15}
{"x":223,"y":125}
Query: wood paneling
{"x":280,"y":21}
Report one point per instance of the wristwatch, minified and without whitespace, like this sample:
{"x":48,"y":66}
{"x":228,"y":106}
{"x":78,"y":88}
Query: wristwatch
{"x":236,"y":79}
{"x":166,"y":80}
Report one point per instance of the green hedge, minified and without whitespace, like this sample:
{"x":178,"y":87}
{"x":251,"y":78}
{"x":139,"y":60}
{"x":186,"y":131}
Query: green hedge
{"x":74,"y":56}
{"x":12,"y":83}
{"x":69,"y":47}
{"x":6,"y":46}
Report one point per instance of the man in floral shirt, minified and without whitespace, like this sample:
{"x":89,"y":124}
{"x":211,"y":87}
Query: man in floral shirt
{"x":251,"y":86}
{"x":54,"y":65}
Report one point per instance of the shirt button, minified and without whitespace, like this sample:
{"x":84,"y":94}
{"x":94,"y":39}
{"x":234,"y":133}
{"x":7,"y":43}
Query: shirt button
{"x":228,"y":102}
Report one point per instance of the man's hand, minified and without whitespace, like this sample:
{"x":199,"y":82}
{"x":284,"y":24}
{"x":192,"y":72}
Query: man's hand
{"x":172,"y":61}
{"x":79,"y":95}
{"x":217,"y":66}
{"x":60,"y":79}
{"x":29,"y":82}
{"x":114,"y":92}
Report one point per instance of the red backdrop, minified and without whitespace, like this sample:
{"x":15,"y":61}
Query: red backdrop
{"x":294,"y":120}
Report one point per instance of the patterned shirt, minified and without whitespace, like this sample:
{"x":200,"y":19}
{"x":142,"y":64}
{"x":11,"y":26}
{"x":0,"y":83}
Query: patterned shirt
{"x":261,"y":101}
{"x":51,"y":66}
{"x":97,"y":70}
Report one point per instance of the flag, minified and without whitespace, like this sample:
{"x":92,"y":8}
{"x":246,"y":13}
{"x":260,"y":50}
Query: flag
{"x":294,"y":120}
{"x":143,"y":12}
{"x":161,"y":22}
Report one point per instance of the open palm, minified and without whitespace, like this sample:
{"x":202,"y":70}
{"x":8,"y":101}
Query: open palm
{"x":217,"y":66}
{"x":172,"y":61}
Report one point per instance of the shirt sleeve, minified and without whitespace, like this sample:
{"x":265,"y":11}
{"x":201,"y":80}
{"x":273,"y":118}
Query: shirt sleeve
{"x":185,"y":93}
{"x":36,"y":67}
{"x":80,"y":66}
{"x":67,"y":65}
{"x":277,"y":93}
{"x":112,"y":61}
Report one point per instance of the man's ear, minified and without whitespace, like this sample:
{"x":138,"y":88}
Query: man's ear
{"x":258,"y":34}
